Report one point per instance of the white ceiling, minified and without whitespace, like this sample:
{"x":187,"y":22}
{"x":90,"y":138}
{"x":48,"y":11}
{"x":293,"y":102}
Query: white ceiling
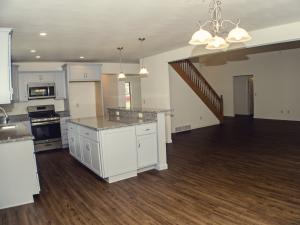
{"x":94,"y":28}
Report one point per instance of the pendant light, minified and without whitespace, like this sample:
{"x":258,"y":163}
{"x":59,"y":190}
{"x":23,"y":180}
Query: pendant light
{"x":143,"y":69}
{"x":121,"y":75}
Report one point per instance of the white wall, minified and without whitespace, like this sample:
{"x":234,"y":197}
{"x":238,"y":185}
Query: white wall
{"x":156,"y":88}
{"x":276,"y":83}
{"x":187,"y":107}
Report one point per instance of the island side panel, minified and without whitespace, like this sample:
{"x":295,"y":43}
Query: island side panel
{"x":19,"y":181}
{"x":161,"y":142}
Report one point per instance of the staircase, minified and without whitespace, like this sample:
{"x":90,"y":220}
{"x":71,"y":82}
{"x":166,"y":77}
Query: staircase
{"x":192,"y":76}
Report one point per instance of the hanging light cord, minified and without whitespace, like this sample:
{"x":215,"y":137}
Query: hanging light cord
{"x":120,"y":50}
{"x":142,"y":60}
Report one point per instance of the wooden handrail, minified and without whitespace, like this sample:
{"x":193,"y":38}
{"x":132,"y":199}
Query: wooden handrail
{"x":187,"y":70}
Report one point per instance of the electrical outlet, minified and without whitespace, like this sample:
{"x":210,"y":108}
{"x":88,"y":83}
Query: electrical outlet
{"x":282,"y":111}
{"x":77,"y":105}
{"x":288,"y":111}
{"x":200,"y":117}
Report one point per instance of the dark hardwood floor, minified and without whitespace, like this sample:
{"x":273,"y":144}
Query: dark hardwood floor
{"x":244,"y":172}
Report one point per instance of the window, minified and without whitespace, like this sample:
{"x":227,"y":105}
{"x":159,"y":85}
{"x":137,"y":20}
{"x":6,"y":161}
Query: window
{"x":127,"y":95}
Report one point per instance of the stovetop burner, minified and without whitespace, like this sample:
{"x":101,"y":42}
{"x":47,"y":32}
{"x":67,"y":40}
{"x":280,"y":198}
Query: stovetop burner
{"x":42,"y":113}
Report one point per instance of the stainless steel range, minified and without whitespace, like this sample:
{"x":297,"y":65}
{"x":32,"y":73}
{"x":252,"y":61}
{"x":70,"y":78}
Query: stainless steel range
{"x":45,"y":127}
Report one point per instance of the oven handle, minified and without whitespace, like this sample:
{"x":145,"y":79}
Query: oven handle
{"x":45,"y":123}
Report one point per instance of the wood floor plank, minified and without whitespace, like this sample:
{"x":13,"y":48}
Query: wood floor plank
{"x":243,"y":172}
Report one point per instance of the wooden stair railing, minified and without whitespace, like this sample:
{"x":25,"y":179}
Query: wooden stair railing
{"x":192,"y":76}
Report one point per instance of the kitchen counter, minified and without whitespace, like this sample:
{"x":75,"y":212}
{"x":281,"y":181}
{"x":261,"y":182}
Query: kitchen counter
{"x":18,"y":118}
{"x":63,"y":113}
{"x":104,"y":123}
{"x":19,"y":133}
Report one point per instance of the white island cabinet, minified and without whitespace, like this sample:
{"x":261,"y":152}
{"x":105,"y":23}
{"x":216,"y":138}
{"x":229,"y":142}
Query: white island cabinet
{"x":114,"y":150}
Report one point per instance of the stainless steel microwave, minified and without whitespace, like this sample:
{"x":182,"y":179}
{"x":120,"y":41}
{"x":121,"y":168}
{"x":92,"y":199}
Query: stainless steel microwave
{"x":41,"y":90}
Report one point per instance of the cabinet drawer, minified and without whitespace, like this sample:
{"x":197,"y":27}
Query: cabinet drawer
{"x":146,"y":129}
{"x":88,"y":133}
{"x":72,"y":127}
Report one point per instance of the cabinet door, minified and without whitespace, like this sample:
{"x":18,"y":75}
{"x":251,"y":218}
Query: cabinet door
{"x":15,"y":82}
{"x":78,"y":149}
{"x":147,"y":150}
{"x":96,"y":158}
{"x":60,"y":85}
{"x":5,"y":67}
{"x":72,"y":144}
{"x":86,"y":151}
{"x":22,"y":82}
{"x":84,"y":72}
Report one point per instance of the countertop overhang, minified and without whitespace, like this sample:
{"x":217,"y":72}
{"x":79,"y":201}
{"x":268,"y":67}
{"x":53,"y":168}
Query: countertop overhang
{"x":104,"y":123}
{"x":140,"y":109}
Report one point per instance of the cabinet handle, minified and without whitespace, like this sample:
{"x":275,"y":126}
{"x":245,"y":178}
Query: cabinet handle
{"x":87,"y":134}
{"x":87,"y":148}
{"x":147,"y":129}
{"x":139,"y":145}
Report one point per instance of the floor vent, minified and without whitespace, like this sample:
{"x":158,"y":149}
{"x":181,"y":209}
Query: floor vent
{"x":183,"y":128}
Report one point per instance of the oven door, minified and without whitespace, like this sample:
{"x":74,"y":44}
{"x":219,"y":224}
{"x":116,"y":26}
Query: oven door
{"x":41,"y":91}
{"x":46,"y":131}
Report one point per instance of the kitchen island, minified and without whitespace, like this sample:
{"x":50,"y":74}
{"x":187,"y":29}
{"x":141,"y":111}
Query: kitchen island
{"x":18,"y":171}
{"x":115,"y":148}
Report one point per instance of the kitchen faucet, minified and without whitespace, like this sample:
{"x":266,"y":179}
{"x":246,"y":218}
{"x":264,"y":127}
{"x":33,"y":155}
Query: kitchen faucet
{"x":5,"y":120}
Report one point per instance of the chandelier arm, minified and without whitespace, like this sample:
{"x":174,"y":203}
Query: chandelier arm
{"x":206,"y":23}
{"x":229,"y":21}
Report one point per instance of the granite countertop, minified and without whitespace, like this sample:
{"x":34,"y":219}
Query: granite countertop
{"x":63,"y":113}
{"x":140,"y":109}
{"x":18,"y":118}
{"x":19,"y":133}
{"x":104,"y":123}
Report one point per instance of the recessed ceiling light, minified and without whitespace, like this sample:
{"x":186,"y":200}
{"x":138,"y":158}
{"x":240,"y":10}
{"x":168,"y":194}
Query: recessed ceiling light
{"x":33,"y":51}
{"x":43,"y":34}
{"x":38,"y":57}
{"x":81,"y":57}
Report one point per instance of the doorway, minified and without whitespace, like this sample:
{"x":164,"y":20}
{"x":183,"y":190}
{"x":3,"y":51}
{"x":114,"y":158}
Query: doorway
{"x":243,"y":91}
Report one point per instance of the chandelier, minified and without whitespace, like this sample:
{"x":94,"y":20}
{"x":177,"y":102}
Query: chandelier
{"x":216,"y":24}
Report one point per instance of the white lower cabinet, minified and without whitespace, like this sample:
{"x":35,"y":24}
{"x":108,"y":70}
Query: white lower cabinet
{"x":86,"y":151}
{"x":72,"y":144}
{"x":114,"y":154}
{"x":147,"y":150}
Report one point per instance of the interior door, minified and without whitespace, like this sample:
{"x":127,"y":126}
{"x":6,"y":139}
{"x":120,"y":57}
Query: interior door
{"x":242,"y":98}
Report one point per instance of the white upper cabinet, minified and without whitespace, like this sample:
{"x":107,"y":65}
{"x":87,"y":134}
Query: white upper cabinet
{"x":83,"y":71}
{"x":6,"y":90}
